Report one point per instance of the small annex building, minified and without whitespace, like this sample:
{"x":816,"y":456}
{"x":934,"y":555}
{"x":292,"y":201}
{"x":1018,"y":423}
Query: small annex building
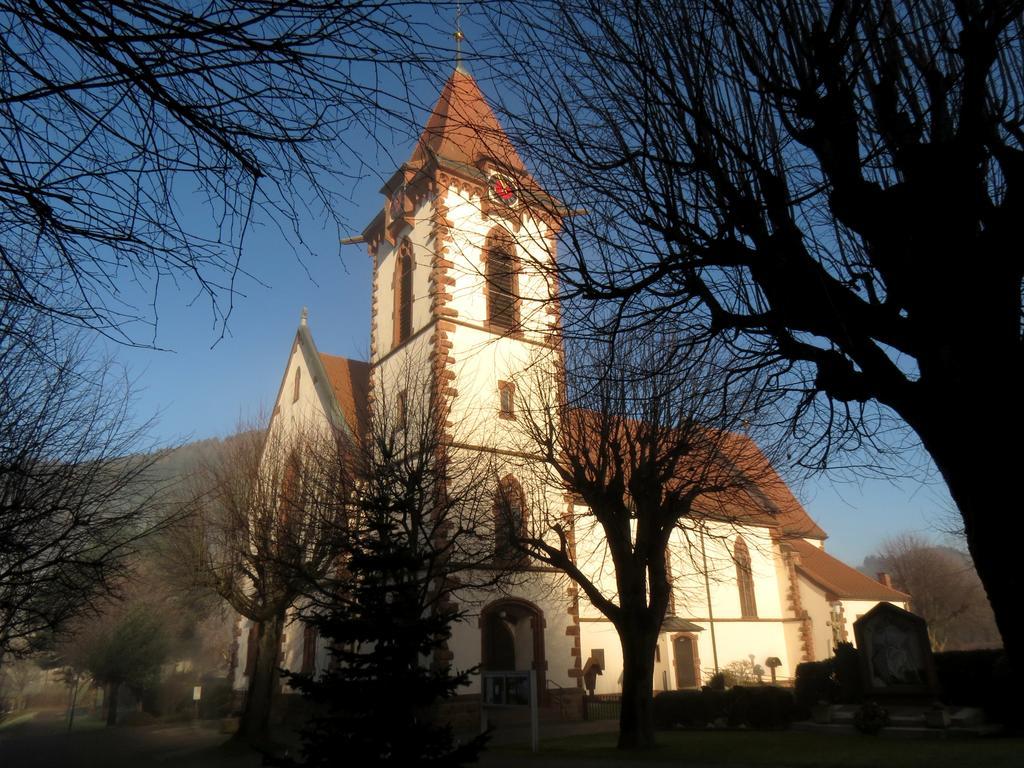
{"x":457,"y":295}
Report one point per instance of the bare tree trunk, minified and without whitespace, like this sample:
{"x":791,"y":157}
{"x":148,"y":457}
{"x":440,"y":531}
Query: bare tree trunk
{"x":636,"y":718}
{"x":979,"y":472}
{"x":254,"y":726}
{"x":113,"y":691}
{"x":993,"y":535}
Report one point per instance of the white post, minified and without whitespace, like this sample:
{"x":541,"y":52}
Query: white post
{"x":534,"y":715}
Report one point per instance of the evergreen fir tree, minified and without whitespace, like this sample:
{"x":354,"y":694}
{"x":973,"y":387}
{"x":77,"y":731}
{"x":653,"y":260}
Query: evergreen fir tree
{"x":374,"y":704}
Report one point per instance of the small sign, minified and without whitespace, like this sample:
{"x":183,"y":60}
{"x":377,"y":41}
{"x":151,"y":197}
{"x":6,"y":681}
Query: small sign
{"x":197,"y":692}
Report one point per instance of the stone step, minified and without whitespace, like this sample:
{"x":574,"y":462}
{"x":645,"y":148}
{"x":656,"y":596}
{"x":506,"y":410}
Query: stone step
{"x":901,"y":716}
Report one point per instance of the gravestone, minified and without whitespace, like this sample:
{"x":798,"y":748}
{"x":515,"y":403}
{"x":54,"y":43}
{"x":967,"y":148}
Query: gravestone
{"x":895,"y":653}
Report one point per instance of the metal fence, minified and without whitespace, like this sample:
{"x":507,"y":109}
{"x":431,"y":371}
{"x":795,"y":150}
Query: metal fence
{"x":602,"y":706}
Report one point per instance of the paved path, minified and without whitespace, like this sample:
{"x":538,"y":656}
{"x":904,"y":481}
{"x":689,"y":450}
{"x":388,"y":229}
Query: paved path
{"x":43,"y":742}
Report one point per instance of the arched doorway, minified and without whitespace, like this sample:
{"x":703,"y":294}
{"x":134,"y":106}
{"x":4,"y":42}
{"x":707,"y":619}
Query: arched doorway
{"x":512,"y":639}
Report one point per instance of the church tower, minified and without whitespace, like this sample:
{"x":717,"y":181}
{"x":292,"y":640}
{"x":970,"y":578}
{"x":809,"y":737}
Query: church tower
{"x":465,"y":316}
{"x":464,"y":298}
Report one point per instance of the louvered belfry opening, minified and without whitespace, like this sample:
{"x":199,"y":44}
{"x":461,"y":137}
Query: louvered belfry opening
{"x":501,"y":274}
{"x":405,"y":297}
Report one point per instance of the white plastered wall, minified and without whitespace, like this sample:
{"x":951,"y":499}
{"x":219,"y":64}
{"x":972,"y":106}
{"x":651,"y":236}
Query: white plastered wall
{"x":815,"y":601}
{"x":772,"y":633}
{"x":290,"y":416}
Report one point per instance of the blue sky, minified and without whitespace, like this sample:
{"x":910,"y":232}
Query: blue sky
{"x":205,"y":383}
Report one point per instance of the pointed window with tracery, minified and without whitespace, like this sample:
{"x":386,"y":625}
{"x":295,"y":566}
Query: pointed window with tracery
{"x":744,"y":579}
{"x":509,"y":521}
{"x":308,"y":649}
{"x":403,"y":298}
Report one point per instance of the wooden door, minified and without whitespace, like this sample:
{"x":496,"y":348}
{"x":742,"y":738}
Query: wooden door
{"x":685,"y":654}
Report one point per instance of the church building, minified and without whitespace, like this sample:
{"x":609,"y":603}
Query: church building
{"x":460,"y":295}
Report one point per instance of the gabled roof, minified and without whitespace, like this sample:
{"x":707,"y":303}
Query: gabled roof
{"x":340,"y":384}
{"x":463,"y":129}
{"x":349,"y":381}
{"x":839,"y":579}
{"x":463,"y":135}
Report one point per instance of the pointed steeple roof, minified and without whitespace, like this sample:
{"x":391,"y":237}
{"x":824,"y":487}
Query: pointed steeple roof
{"x":464,"y":129}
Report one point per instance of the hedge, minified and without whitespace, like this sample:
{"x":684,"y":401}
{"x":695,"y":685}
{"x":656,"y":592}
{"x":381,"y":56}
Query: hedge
{"x":763,"y":707}
{"x":976,"y":679}
{"x":815,"y":682}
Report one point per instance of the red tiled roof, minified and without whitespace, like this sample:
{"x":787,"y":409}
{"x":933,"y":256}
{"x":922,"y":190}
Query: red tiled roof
{"x":839,"y":579}
{"x":463,"y":128}
{"x":750,"y":491}
{"x":775,"y":503}
{"x":349,"y":380}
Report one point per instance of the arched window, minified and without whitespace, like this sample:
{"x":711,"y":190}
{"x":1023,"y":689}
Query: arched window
{"x":500,"y":273}
{"x":308,"y":649}
{"x":509,"y":520}
{"x":506,"y":400}
{"x":744,"y":579}
{"x":297,"y":384}
{"x":290,"y":501}
{"x":403,"y":297}
{"x":670,"y":577}
{"x":402,"y":419}
{"x":251,"y":647}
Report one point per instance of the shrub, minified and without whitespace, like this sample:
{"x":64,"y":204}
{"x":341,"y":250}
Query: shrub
{"x":673,"y":709}
{"x":742,"y":673}
{"x":814,"y":683}
{"x":738,"y":711}
{"x":172,"y":697}
{"x":753,"y":706}
{"x":717,"y":704}
{"x":847,"y":675}
{"x":717,"y":682}
{"x":763,"y":707}
{"x":871,"y":718}
{"x":975,"y":679}
{"x":966,"y":677}
{"x":217,"y":696}
{"x":133,"y":719}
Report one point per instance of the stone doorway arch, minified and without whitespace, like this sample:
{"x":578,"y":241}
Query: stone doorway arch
{"x":512,"y":639}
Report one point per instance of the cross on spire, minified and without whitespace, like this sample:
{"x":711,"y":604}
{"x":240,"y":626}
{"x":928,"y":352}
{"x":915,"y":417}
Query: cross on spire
{"x":459,"y":36}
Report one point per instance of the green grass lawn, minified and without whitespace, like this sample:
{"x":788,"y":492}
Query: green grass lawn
{"x":793,"y":749}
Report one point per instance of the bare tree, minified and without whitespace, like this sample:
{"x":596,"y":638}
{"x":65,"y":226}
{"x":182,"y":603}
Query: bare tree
{"x":833,"y":188}
{"x":77,"y":494}
{"x":269,"y":511}
{"x":112,"y":113}
{"x":944,"y":589}
{"x":125,"y":646}
{"x":644,"y":443}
